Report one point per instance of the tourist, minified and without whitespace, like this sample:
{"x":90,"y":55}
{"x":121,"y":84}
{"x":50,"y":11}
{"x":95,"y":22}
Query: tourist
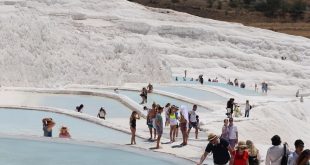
{"x":173,"y":118}
{"x":185,"y":73}
{"x":48,"y":125}
{"x":220,"y":149}
{"x":233,"y":133}
{"x":236,"y":82}
{"x":193,"y":123}
{"x":200,"y":78}
{"x":256,"y":88}
{"x":225,"y":130}
{"x":254,"y":157}
{"x":304,"y":158}
{"x":159,"y":125}
{"x":150,"y":88}
{"x":276,"y":152}
{"x":242,"y":85}
{"x":101,"y":114}
{"x":79,"y":108}
{"x":143,"y":95}
{"x":237,"y":111}
{"x":247,"y":109}
{"x":151,"y":120}
{"x":264,"y":87}
{"x":64,"y":133}
{"x":230,"y":107}
{"x":299,"y":147}
{"x":184,"y":123}
{"x":133,"y":123}
{"x":166,"y":111}
{"x":240,"y":156}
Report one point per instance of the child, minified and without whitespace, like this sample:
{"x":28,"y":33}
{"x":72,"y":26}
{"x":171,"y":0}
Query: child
{"x":132,"y":122}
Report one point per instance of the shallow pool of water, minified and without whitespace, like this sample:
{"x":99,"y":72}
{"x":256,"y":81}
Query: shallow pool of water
{"x":197,"y":94}
{"x":29,"y":122}
{"x":238,"y":90}
{"x":92,"y":104}
{"x":158,"y":99}
{"x":30,"y":152}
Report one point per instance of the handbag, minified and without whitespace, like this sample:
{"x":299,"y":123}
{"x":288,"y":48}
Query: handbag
{"x":284,"y":157}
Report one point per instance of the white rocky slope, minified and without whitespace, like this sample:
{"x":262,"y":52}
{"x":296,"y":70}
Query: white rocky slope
{"x":57,"y":42}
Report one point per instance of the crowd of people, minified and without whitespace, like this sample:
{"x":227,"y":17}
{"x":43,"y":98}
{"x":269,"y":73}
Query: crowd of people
{"x":226,"y":148}
{"x":176,"y":118}
{"x":200,"y":79}
{"x":236,"y":152}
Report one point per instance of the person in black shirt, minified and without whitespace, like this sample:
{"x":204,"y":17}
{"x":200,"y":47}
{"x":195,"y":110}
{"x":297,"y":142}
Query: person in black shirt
{"x":220,"y":149}
{"x":132,"y":122}
{"x":230,"y":107}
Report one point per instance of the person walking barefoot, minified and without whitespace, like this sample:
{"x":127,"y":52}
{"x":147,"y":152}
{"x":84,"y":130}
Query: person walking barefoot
{"x":132,"y":121}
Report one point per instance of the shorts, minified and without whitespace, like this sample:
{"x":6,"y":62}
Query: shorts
{"x":193,"y":124}
{"x":183,"y":126}
{"x":159,"y":131}
{"x":173,"y":122}
{"x":149,"y":123}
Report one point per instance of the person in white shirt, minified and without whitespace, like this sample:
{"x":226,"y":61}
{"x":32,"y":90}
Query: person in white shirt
{"x":193,"y":121}
{"x":166,"y":111}
{"x":299,"y":147}
{"x":233,"y":133}
{"x":276,"y":152}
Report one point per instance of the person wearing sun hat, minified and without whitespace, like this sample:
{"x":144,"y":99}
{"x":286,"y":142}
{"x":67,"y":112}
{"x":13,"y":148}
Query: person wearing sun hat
{"x":240,"y":156}
{"x":220,"y":149}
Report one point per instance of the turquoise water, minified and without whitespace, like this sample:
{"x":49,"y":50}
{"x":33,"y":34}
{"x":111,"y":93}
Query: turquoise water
{"x":13,"y":121}
{"x":92,"y":104}
{"x":158,"y":99}
{"x":239,"y":90}
{"x":197,"y":94}
{"x":29,"y":152}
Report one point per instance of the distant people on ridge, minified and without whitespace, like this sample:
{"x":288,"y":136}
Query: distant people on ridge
{"x":200,"y":79}
{"x":236,"y":82}
{"x":242,"y":85}
{"x":264,"y":87}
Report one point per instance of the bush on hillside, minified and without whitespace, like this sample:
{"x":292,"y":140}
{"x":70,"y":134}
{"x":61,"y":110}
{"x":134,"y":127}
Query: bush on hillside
{"x":297,"y":10}
{"x":175,"y":1}
{"x":210,"y":3}
{"x":233,"y":3}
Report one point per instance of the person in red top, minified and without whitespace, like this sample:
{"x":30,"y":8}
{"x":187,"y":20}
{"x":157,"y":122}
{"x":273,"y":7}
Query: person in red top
{"x":240,"y":156}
